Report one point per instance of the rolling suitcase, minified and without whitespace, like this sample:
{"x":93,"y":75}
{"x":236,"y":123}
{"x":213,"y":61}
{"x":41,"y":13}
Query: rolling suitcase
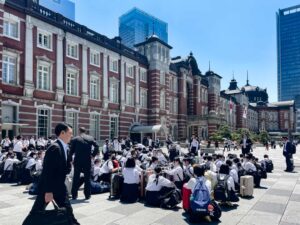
{"x":246,"y":186}
{"x":116,"y":185}
{"x":186,"y":194}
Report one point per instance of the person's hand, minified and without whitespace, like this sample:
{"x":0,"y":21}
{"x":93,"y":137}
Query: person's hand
{"x":48,"y":197}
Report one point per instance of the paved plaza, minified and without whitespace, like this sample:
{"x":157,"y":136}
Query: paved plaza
{"x":277,"y":202}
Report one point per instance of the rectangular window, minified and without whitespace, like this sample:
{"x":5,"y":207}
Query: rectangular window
{"x":9,"y":69}
{"x":43,"y":123}
{"x":114,"y":94}
{"x":72,"y":84}
{"x":175,"y":84}
{"x":95,"y":126}
{"x":113,"y":65}
{"x":94,"y":88}
{"x":72,"y":50}
{"x":144,"y":98}
{"x":171,"y":107}
{"x":143,"y":75}
{"x":162,"y":78}
{"x":171,"y":84}
{"x":95,"y":58}
{"x":71,"y":119}
{"x":175,"y":111}
{"x":44,"y":40}
{"x":129,"y":71}
{"x":162,"y":100}
{"x":43,"y":77}
{"x":113,"y":127}
{"x":129,"y":95}
{"x":11,"y":29}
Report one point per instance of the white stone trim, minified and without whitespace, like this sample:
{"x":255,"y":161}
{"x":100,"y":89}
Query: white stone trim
{"x":43,"y":106}
{"x":46,"y":33}
{"x":45,"y":26}
{"x":29,"y":50}
{"x":105,"y":77}
{"x":84,"y":69}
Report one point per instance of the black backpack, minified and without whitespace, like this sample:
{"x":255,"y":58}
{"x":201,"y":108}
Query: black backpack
{"x":221,"y":189}
{"x":269,"y":166}
{"x":171,"y":199}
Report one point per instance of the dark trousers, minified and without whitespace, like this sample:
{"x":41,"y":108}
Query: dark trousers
{"x":86,"y":170}
{"x":245,"y":151}
{"x":61,"y":200}
{"x":289,"y":164}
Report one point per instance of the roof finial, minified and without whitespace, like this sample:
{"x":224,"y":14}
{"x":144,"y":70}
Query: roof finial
{"x":209,"y":65}
{"x":232,"y":75}
{"x":247,"y":79}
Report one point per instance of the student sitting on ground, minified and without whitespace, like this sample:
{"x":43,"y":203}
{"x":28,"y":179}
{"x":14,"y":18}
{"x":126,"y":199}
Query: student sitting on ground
{"x":225,"y":188}
{"x":233,"y":173}
{"x":131,"y":182}
{"x":107,"y":169}
{"x":154,"y":188}
{"x":153,"y":163}
{"x":177,"y":173}
{"x":8,"y":176}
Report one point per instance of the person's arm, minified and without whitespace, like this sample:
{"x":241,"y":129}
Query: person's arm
{"x":165,"y":182}
{"x":230,"y":184}
{"x":96,"y":148}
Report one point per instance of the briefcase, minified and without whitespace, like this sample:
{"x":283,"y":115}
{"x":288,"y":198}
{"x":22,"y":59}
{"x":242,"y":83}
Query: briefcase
{"x":56,"y":216}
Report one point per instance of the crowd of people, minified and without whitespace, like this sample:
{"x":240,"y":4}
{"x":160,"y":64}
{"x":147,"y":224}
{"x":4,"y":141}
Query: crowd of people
{"x":140,"y":171}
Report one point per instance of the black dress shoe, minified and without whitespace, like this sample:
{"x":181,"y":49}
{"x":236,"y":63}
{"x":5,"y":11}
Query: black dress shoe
{"x":87,"y":197}
{"x":74,"y":197}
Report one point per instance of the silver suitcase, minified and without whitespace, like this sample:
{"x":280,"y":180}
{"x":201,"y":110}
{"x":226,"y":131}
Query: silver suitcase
{"x":246,"y":186}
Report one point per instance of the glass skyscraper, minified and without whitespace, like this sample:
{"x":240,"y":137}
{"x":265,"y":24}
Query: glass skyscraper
{"x":136,"y":25}
{"x":64,"y":7}
{"x":288,"y":53}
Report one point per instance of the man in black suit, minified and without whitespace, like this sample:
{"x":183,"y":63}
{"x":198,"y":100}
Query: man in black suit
{"x":81,"y":146}
{"x":246,"y":144}
{"x":288,"y":154}
{"x":55,"y":168}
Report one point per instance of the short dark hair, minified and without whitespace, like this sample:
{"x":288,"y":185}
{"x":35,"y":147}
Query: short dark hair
{"x":157,"y":169}
{"x":228,"y":162}
{"x":61,"y":127}
{"x":82,"y":130}
{"x":224,"y":169}
{"x":130,"y":163}
{"x":266,"y":156}
{"x":199,"y":170}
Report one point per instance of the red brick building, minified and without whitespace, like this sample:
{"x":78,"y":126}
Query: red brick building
{"x":54,"y":69}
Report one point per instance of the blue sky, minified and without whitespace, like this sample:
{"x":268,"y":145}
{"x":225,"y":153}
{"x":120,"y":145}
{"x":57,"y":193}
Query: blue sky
{"x":234,"y":35}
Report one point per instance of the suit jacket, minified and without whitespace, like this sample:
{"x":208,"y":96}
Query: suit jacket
{"x":81,"y":146}
{"x":55,"y":169}
{"x":287,"y":148}
{"x":248,"y":144}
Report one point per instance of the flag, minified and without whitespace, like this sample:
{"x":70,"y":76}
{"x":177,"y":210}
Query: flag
{"x":230,"y":106}
{"x":245,"y":112}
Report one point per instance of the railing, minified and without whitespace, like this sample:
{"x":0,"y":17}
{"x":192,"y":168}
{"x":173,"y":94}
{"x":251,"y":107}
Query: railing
{"x":197,"y":117}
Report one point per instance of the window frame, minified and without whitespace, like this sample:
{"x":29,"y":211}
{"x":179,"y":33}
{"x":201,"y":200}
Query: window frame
{"x":75,"y":116}
{"x":48,"y":116}
{"x":129,"y":100}
{"x":72,"y":43}
{"x":144,"y":104}
{"x":162,"y":101}
{"x":116,"y":126}
{"x":129,"y":70}
{"x":114,"y":82}
{"x":10,"y":54}
{"x":45,"y":34}
{"x":143,"y":72}
{"x":9,"y":18}
{"x":44,"y":64}
{"x":94,"y":77}
{"x":111,"y":65}
{"x":76,"y":73}
{"x":96,"y":123}
{"x":162,"y":78}
{"x":93,"y":53}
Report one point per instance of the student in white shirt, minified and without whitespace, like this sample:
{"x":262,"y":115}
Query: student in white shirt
{"x":30,"y":166}
{"x":18,"y":148}
{"x":194,"y":145}
{"x":154,"y":162}
{"x":177,"y":173}
{"x":6,"y":143}
{"x":8,"y":168}
{"x":107,"y":169}
{"x":96,"y":170}
{"x":130,"y":187}
{"x":188,"y":169}
{"x":233,"y":173}
{"x":249,"y":165}
{"x":154,"y":187}
{"x":199,"y":171}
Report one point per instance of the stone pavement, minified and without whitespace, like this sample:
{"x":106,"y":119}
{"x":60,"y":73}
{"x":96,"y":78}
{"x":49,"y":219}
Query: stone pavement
{"x":277,"y":203}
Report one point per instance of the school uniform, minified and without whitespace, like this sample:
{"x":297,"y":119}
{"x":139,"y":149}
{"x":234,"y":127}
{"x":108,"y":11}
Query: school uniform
{"x":177,"y":174}
{"x":7,"y":176}
{"x":105,"y":171}
{"x":18,"y":149}
{"x":193,"y":181}
{"x":130,"y":187}
{"x":194,"y":146}
{"x":154,"y":189}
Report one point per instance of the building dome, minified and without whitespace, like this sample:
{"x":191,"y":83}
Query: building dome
{"x":255,"y":93}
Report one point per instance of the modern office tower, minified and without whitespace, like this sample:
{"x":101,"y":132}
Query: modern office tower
{"x":136,"y":25}
{"x":288,"y":56}
{"x":64,"y":7}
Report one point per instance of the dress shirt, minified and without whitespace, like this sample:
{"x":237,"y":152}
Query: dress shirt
{"x":193,"y":181}
{"x":131,"y":175}
{"x":18,"y":146}
{"x":65,"y":146}
{"x":177,"y":173}
{"x":161,"y":182}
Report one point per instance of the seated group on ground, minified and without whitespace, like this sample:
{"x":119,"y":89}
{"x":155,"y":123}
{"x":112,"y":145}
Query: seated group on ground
{"x":138,"y":172}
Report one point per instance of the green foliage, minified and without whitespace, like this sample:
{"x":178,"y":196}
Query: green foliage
{"x":263,"y":137}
